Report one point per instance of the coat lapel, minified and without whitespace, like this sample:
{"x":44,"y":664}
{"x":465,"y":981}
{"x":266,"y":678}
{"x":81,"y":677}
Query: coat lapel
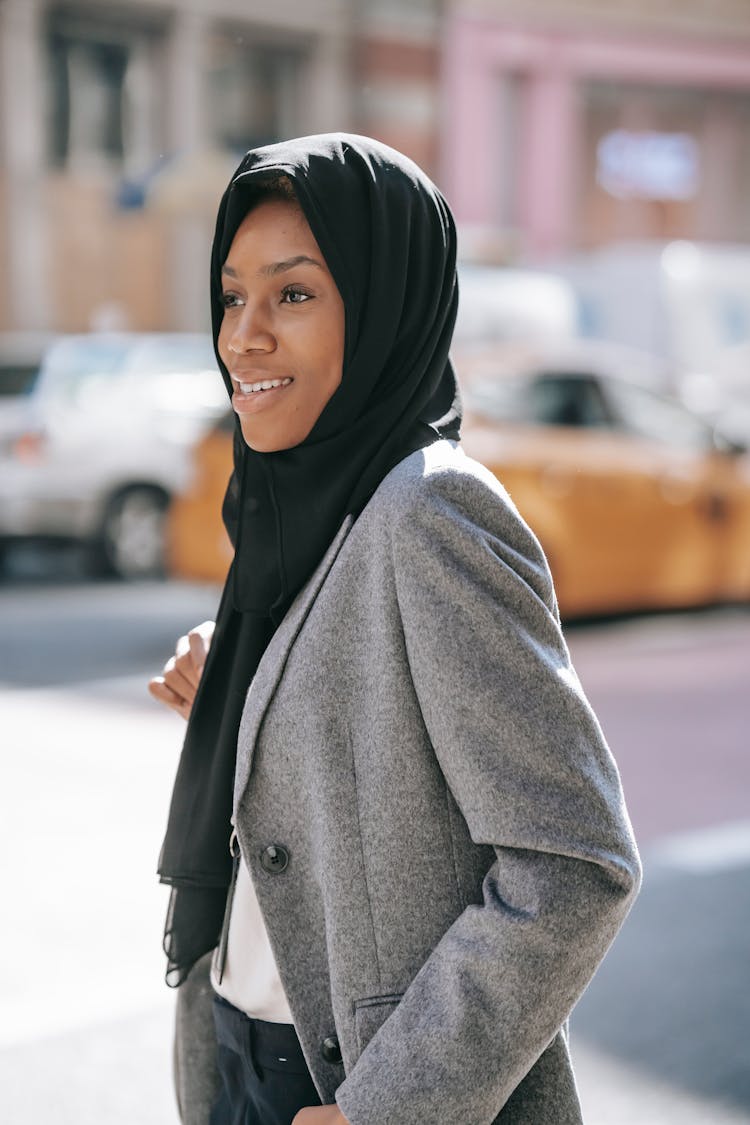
{"x":271,"y":667}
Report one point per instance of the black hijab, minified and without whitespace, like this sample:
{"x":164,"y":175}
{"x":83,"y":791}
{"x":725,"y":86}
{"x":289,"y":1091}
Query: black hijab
{"x":388,"y":238}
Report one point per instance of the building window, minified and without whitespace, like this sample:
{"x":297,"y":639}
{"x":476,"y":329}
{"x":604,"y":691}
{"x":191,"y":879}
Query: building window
{"x":254,"y":92}
{"x":101,"y":95}
{"x":87,"y":80}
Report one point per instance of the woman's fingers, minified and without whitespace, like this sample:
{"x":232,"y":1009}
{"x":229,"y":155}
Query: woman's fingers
{"x":182,"y":677}
{"x":164,"y":694}
{"x":178,"y":683}
{"x":199,"y":642}
{"x":183,"y":672}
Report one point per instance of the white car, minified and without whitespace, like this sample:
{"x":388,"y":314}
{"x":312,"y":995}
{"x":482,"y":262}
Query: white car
{"x":97,"y":446}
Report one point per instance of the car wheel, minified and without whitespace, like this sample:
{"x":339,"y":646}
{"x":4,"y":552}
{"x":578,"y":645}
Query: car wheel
{"x":131,"y":543}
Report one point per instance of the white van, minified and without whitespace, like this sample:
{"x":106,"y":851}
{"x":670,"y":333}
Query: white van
{"x":498,"y":304}
{"x":687,"y":302}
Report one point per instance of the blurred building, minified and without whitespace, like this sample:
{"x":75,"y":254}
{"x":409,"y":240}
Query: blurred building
{"x":552,"y":125}
{"x":571,"y":123}
{"x":120,"y":121}
{"x":397,"y":75}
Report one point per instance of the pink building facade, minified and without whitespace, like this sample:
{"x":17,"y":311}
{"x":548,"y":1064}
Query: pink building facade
{"x":533,"y":116}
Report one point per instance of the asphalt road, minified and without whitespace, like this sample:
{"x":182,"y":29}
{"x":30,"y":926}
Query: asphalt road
{"x":660,"y":1037}
{"x":668,"y":1014}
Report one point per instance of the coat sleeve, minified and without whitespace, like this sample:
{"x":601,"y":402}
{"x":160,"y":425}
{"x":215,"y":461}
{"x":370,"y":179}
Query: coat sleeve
{"x":525,"y":759}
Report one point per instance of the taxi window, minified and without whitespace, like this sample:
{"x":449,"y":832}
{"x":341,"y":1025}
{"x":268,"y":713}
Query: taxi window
{"x":542,"y":399}
{"x":562,"y":399}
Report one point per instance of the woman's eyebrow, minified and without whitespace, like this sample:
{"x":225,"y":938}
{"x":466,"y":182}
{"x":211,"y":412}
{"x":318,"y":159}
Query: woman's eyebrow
{"x":290,"y":263}
{"x":278,"y":267}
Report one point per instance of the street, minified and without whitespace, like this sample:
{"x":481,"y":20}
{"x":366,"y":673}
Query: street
{"x":660,"y":1037}
{"x":662,"y":1033}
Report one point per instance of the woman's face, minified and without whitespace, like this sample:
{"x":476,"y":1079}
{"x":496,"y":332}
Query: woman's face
{"x":282,"y":335}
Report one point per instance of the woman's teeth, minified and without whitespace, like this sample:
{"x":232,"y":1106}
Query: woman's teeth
{"x":266,"y":385}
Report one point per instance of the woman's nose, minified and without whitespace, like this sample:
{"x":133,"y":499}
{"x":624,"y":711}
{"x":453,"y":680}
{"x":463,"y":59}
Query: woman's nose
{"x":251,"y":332}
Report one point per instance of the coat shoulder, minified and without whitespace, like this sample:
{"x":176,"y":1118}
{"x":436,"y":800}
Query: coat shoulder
{"x":439,"y":476}
{"x":441,"y":489}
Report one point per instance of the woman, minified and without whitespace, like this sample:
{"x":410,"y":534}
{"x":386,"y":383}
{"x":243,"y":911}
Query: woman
{"x":431,"y":848}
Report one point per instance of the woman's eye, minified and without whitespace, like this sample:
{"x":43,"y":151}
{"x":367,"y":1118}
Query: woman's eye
{"x":230,"y":300}
{"x":293,"y":295}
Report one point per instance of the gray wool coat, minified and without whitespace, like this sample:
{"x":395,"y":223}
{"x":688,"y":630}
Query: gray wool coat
{"x":459,"y":854}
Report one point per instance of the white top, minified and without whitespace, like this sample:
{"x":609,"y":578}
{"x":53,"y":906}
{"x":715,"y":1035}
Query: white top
{"x":251,"y":980}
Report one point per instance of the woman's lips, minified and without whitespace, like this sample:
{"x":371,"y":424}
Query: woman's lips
{"x":251,"y":395}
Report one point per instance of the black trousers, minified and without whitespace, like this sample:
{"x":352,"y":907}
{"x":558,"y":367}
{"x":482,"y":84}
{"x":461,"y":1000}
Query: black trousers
{"x":264,"y":1076}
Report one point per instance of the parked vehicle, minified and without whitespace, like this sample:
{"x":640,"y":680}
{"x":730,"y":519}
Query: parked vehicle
{"x":21,"y":355}
{"x":500,"y":304}
{"x":638,"y":503}
{"x":99,"y":443}
{"x":723,"y":398}
{"x":197,"y":544}
{"x":688,"y":302}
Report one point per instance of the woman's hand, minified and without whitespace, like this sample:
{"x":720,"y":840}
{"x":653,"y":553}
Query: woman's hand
{"x":177,"y":685}
{"x":320,"y":1115}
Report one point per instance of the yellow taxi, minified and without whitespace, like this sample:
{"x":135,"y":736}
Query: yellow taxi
{"x":197,"y":544}
{"x":638,"y":503}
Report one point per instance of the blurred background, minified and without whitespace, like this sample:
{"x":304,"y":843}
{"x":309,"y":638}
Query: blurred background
{"x":597,"y":158}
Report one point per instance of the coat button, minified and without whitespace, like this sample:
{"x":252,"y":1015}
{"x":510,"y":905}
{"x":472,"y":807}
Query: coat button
{"x":330,"y":1049}
{"x":274,"y":858}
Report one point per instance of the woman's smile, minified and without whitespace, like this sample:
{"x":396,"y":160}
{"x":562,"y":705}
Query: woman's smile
{"x":252,"y":393}
{"x":247,"y":388}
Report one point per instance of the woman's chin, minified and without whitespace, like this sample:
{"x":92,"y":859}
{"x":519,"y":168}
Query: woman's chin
{"x":268,"y":439}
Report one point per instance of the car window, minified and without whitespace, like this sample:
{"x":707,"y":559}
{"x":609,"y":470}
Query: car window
{"x":542,"y":399}
{"x":177,"y":373}
{"x":78,"y":370}
{"x":17,"y":378}
{"x":74,"y":361}
{"x":648,"y":415}
{"x":561,"y":399}
{"x":173,"y":354}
